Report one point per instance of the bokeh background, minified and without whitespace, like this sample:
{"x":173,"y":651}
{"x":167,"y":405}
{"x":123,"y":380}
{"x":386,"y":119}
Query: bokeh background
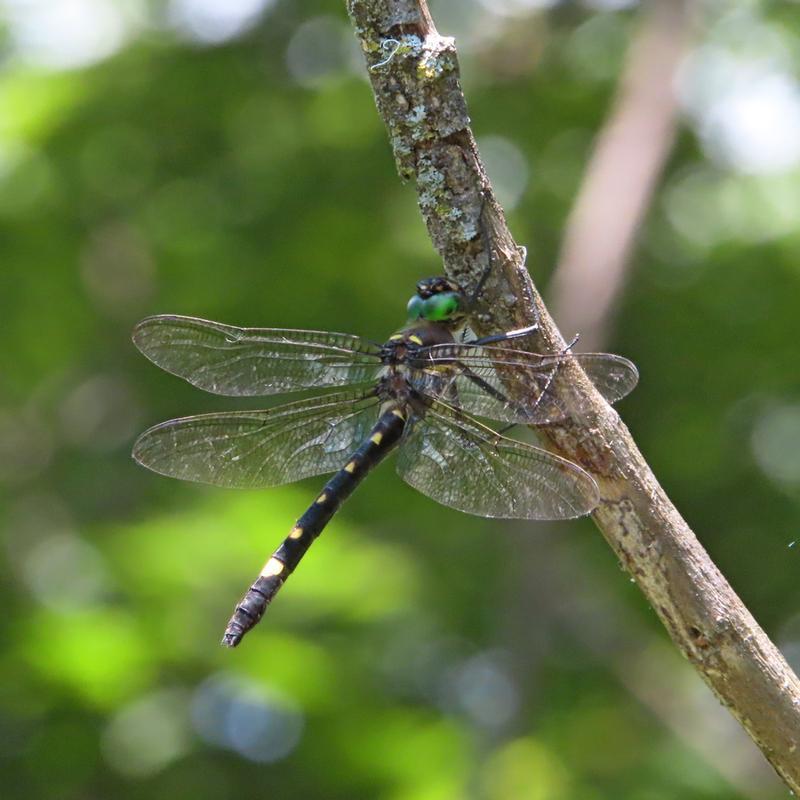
{"x":223,"y":158}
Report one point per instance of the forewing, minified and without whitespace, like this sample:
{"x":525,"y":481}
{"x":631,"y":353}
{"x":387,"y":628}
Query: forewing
{"x":241,"y":362}
{"x":462,"y":464}
{"x":252,"y":449}
{"x":516,"y":386}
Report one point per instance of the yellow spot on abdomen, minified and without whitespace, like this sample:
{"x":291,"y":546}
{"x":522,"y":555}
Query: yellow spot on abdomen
{"x":398,"y":413}
{"x":296,"y":533}
{"x":272,"y":567}
{"x":376,"y":438}
{"x":351,"y":467}
{"x":322,"y":498}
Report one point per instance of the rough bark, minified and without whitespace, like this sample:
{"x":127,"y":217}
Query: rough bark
{"x":415,"y":79}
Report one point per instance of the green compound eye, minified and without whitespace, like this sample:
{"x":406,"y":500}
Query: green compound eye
{"x":441,"y":307}
{"x":416,"y":307}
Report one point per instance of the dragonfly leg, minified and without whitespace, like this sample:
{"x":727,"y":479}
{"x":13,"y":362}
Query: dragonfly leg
{"x":508,"y":335}
{"x":498,"y":395}
{"x":487,"y":239}
{"x":575,"y":340}
{"x":481,"y":383}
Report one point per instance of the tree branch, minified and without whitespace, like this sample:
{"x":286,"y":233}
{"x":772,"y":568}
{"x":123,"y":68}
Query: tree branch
{"x":628,"y":157}
{"x":414,"y":75}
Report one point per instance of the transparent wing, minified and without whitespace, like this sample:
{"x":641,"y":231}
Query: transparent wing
{"x":243,"y":362}
{"x":252,"y":449}
{"x":462,"y":464}
{"x":515,"y":386}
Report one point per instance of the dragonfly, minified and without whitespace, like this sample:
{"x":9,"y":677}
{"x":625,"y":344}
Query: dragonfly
{"x":421,"y":392}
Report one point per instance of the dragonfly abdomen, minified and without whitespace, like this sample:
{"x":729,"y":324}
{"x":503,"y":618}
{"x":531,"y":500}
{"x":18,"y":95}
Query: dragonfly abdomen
{"x":383,"y":437}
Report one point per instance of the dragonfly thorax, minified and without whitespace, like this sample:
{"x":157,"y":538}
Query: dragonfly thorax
{"x":406,"y":345}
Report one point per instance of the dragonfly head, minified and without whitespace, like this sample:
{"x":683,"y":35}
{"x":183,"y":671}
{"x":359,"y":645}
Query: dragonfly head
{"x":437,"y":300}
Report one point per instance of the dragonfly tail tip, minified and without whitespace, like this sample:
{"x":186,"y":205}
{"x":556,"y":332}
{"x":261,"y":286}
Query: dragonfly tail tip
{"x":231,"y":639}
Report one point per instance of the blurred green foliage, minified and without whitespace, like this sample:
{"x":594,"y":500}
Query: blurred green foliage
{"x":249,"y":180}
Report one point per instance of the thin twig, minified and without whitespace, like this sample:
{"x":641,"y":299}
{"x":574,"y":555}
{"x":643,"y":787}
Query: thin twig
{"x":628,"y":158}
{"x":420,"y":100}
